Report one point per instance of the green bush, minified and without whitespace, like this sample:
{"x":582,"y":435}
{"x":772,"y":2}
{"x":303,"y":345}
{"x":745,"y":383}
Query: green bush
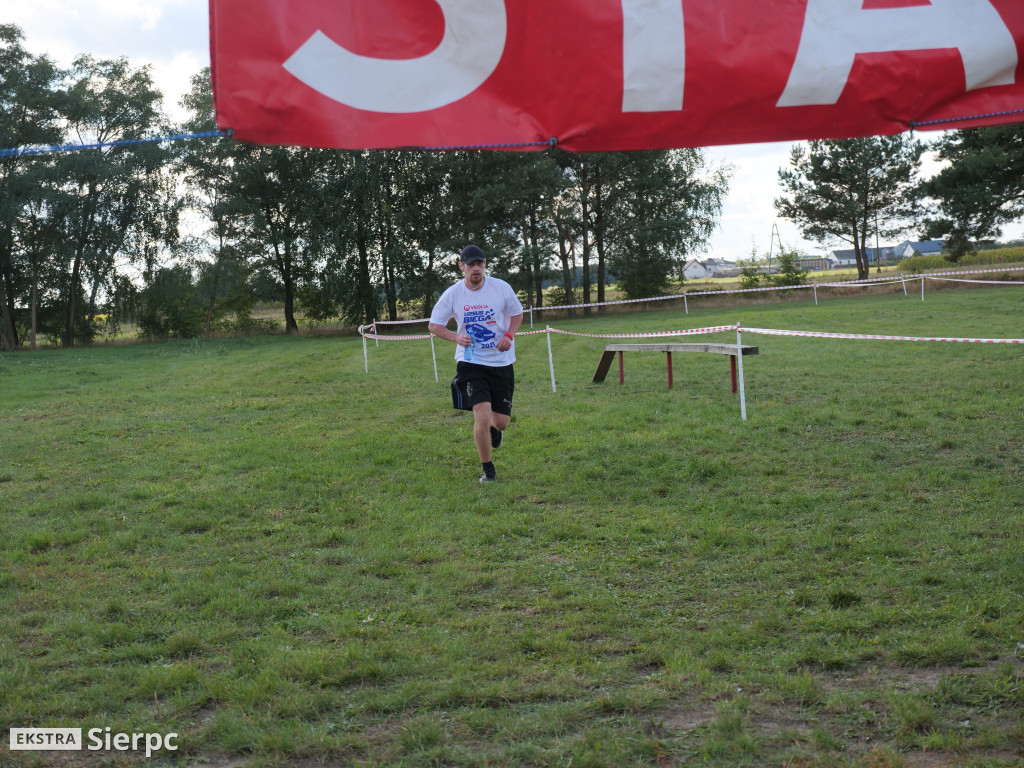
{"x":244,"y":323}
{"x":749,"y":276}
{"x":169,"y":306}
{"x":789,"y":272}
{"x":556,"y":296}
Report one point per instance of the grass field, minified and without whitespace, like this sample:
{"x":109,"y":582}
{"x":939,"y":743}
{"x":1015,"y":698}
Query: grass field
{"x":288,"y":561}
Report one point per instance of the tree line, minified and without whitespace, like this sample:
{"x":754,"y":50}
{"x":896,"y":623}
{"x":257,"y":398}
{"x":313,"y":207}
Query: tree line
{"x":184,"y":237}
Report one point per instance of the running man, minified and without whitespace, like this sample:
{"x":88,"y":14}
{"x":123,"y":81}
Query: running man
{"x":488,"y":314}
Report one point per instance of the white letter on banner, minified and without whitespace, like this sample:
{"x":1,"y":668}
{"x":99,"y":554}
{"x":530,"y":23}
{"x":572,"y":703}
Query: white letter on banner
{"x":835,"y":31}
{"x":653,"y":55}
{"x":473,"y":42}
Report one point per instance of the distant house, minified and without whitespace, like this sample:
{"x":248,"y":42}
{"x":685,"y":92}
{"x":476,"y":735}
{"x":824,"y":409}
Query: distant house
{"x":909,"y":248}
{"x":714,"y":266}
{"x":847,"y":257}
{"x":694,"y":270}
{"x":878,"y":255}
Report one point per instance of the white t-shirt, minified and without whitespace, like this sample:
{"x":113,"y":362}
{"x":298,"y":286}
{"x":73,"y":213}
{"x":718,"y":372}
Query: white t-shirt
{"x":483,"y":314}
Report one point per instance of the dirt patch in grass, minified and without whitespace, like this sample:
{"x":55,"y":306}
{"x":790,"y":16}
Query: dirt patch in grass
{"x":912,"y":679}
{"x":682,"y":719}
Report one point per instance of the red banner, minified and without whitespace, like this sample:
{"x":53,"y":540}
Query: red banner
{"x":610,"y":74}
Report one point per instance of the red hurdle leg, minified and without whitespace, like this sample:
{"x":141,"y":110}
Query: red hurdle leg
{"x":732,"y":367}
{"x":622,"y":373}
{"x":669,"y":355}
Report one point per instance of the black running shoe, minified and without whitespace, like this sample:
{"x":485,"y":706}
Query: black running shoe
{"x":496,"y":435}
{"x":485,"y":478}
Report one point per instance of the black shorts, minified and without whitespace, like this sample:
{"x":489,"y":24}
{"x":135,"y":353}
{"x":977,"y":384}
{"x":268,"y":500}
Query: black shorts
{"x":488,"y":384}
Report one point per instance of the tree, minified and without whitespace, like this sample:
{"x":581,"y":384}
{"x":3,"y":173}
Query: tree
{"x":348,"y":235}
{"x":846,"y":189}
{"x":278,"y":192}
{"x":562,"y":213}
{"x":663,"y":206}
{"x":530,"y":188}
{"x":208,"y":171}
{"x":580,"y":191}
{"x":428,"y":219}
{"x":30,"y":105}
{"x":113,"y":201}
{"x":981,"y":188}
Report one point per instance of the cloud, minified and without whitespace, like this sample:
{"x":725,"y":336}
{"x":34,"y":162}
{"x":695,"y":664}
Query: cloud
{"x":749,"y":211}
{"x":172,"y":36}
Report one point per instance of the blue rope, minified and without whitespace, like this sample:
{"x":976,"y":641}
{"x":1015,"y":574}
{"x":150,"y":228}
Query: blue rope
{"x":915,"y":124}
{"x":44,"y":150}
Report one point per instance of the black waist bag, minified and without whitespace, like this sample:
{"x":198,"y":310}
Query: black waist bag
{"x":460,"y":398}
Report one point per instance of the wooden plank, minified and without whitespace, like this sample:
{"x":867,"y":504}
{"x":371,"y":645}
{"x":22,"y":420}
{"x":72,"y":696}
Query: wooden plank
{"x":604,"y":365}
{"x":718,"y":349}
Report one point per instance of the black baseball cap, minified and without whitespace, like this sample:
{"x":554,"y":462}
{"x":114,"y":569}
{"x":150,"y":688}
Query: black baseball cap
{"x":470,"y":254}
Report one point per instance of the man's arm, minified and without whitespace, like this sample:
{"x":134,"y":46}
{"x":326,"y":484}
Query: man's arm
{"x":505,"y":342}
{"x":442,"y":332}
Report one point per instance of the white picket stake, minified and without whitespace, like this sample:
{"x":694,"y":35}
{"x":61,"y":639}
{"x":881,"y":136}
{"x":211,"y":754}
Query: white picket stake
{"x":434,"y":356}
{"x":922,"y":287}
{"x":904,"y":281}
{"x":686,"y":304}
{"x":374,"y":326}
{"x":366,"y":360}
{"x":815,"y":295}
{"x":551,"y":360}
{"x":739,"y":364}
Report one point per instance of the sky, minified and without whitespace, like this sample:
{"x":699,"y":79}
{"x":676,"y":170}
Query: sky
{"x":172,"y":36}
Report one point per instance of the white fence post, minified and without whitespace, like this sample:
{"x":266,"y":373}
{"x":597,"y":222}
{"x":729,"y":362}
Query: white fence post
{"x":434,"y":356}
{"x":551,"y":360}
{"x":739,"y":366}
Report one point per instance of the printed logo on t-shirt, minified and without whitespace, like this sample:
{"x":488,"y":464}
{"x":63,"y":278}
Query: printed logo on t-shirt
{"x":481,"y":325}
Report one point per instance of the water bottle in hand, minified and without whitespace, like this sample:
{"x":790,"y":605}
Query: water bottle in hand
{"x":467,"y":354}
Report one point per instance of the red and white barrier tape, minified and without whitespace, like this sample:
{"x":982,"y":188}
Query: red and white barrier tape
{"x":675,"y":297}
{"x":373,"y":335}
{"x":686,"y":332}
{"x":389,"y":337}
{"x":822,"y":335}
{"x":723,"y":328}
{"x":985,"y":282}
{"x":402,"y":322}
{"x":863,"y":283}
{"x":939,"y":275}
